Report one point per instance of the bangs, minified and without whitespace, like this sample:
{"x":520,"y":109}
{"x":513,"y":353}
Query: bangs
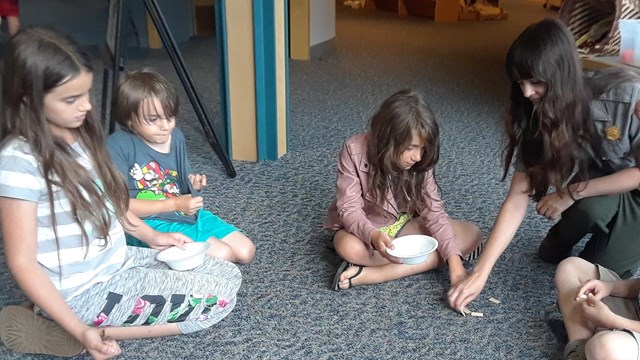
{"x":521,"y":65}
{"x":149,"y":107}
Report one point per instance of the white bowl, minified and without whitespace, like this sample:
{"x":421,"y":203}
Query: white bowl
{"x":413,"y":249}
{"x":187,"y":259}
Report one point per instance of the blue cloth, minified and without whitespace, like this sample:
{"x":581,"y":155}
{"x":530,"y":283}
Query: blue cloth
{"x":207,"y":226}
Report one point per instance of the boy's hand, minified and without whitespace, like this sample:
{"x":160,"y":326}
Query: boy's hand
{"x":599,"y":289}
{"x":598,"y":314}
{"x":188,"y":204}
{"x":198,"y":181}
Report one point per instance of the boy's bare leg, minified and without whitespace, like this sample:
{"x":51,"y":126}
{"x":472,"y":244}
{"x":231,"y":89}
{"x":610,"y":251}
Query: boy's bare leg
{"x":612,"y":345}
{"x":570,"y":274}
{"x":242,"y":247}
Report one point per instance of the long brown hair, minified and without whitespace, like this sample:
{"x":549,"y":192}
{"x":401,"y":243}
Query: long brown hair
{"x":555,"y":135}
{"x":37,"y":61}
{"x":390,"y":133}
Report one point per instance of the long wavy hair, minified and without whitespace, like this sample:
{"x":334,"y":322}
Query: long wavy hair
{"x":390,"y":133}
{"x":553,"y":136}
{"x":36,"y":62}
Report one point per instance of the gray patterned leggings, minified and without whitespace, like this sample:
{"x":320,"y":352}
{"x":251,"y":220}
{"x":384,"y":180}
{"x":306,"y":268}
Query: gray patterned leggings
{"x":149,"y":293}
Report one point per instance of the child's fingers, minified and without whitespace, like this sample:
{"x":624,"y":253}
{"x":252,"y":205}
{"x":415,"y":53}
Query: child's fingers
{"x":588,"y":287}
{"x":110,"y":348}
{"x":180,"y":240}
{"x":388,"y":242}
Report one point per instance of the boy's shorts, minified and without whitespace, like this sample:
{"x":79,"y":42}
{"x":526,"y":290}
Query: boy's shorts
{"x":625,"y":307}
{"x":395,"y":228}
{"x":207,"y":226}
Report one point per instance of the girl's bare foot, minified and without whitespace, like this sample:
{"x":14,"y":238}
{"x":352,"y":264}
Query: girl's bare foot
{"x":345,"y":275}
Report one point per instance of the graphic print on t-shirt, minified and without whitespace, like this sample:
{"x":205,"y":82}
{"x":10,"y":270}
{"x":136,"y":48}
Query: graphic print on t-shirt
{"x":155,"y":182}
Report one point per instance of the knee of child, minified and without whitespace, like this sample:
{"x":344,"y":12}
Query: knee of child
{"x":568,"y":266}
{"x":477,"y":235}
{"x":246,"y":254}
{"x":220,"y":250}
{"x":350,"y":253}
{"x":607,"y":345}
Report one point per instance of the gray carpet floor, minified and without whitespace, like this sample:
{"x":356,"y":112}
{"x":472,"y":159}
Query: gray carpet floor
{"x":286,"y":309}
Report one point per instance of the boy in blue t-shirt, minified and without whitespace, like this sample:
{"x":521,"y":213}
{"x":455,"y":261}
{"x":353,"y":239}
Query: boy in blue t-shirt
{"x":151,"y":154}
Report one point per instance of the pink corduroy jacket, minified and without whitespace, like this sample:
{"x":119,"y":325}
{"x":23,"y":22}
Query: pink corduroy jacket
{"x":353,"y":210}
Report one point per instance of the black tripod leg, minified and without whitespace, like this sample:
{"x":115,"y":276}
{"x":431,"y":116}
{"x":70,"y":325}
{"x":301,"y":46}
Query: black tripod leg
{"x":113,"y":62}
{"x":169,"y":44}
{"x":106,"y":99}
{"x":118,"y":59}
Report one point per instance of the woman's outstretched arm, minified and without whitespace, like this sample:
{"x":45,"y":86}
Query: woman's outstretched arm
{"x":511,"y":214}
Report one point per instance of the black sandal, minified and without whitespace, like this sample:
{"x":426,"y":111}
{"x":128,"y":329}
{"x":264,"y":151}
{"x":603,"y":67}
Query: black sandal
{"x":343,"y":266}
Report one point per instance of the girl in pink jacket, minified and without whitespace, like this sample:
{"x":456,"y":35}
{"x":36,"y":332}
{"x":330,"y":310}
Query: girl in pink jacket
{"x":385,"y":189}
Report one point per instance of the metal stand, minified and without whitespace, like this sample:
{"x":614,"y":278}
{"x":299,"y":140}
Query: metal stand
{"x":115,"y":64}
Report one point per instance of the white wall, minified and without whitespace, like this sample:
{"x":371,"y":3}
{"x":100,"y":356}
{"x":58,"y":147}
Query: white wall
{"x":323,"y":20}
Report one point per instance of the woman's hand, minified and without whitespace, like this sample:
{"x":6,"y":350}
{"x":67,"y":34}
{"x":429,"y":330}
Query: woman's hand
{"x":99,"y":346}
{"x":380,"y":241}
{"x":461,"y":294}
{"x":554,"y":204}
{"x":198,"y":181}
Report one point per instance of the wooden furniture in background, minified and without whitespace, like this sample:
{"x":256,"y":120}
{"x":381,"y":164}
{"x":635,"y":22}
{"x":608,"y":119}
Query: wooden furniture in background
{"x":439,"y":10}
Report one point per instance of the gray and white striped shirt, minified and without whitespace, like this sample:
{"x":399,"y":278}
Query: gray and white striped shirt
{"x":77,"y":267}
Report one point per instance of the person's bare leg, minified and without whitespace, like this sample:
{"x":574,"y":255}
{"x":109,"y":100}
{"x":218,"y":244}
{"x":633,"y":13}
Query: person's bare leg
{"x":468,"y":235}
{"x":220,"y":250}
{"x":376,"y":269}
{"x":13,"y":25}
{"x":242,"y":247}
{"x":353,"y":250}
{"x":611,"y":345}
{"x":387,"y":272}
{"x":570,"y":274}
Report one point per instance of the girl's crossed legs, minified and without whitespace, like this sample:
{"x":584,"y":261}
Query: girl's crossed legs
{"x":172,"y":302}
{"x":377,"y":269}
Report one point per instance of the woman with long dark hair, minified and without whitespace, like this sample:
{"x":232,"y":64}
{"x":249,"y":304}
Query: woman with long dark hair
{"x":574,"y":139}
